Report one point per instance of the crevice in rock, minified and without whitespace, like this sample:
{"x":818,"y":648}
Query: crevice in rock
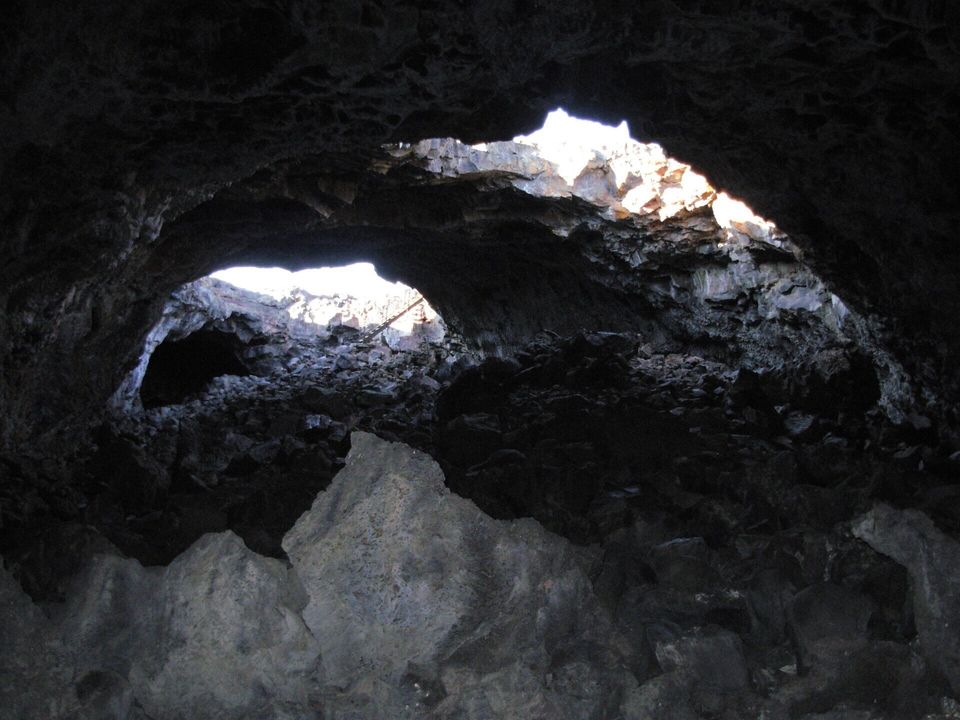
{"x":181,"y":368}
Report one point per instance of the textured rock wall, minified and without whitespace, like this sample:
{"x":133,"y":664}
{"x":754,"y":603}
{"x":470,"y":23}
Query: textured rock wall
{"x":403,"y":601}
{"x":274,"y":326}
{"x":504,"y":247}
{"x":835,"y":120}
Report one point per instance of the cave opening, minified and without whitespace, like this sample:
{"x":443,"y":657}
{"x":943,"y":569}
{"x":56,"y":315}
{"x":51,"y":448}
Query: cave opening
{"x":669,"y":460}
{"x":622,"y":297}
{"x":247,"y":320}
{"x":181,"y":368}
{"x":638,"y":372}
{"x":347,"y":296}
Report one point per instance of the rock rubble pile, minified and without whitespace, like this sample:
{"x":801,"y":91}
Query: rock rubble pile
{"x":591,"y":528}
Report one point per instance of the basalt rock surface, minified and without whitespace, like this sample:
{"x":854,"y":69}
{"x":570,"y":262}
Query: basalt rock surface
{"x":680,"y":469}
{"x":633,"y":244}
{"x":237,"y":434}
{"x":402,"y":599}
{"x":122,"y":123}
{"x":604,"y":530}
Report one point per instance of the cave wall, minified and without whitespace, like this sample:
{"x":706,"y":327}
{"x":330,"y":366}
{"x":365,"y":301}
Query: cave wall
{"x":836,"y":120}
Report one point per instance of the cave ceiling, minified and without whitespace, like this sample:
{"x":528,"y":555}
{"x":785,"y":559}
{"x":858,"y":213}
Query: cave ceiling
{"x":648,"y":464}
{"x":125,"y":122}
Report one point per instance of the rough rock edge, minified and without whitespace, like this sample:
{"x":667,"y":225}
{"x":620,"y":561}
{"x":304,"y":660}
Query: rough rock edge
{"x":933,"y":561}
{"x":134,"y":640}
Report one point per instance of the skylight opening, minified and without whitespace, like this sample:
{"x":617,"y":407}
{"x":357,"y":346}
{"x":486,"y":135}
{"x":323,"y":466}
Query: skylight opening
{"x":647,"y":180}
{"x":572,"y":142}
{"x":352,"y":295}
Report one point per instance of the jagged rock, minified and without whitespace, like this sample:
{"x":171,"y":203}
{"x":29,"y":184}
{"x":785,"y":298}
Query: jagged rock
{"x":683,"y":563}
{"x":933,"y":561}
{"x":470,"y":439}
{"x":216,"y":634}
{"x":422,"y":603}
{"x":712,"y":659}
{"x":144,"y":143}
{"x":606,"y":442}
{"x":413,"y":603}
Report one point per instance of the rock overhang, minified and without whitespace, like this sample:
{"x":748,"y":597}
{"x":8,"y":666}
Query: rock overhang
{"x":805,"y":111}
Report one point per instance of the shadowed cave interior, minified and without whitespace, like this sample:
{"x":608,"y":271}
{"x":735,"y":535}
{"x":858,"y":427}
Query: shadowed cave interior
{"x":603,"y":443}
{"x":182,"y":368}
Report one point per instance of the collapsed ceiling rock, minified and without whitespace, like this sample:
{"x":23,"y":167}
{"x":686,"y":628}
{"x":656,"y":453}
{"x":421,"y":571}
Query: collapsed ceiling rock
{"x":504,"y":247}
{"x":209,"y":328}
{"x":404,"y":600}
{"x":709,"y":506}
{"x":698,"y":410}
{"x":933,"y":561}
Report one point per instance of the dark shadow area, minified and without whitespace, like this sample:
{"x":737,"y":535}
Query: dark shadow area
{"x":182,"y":368}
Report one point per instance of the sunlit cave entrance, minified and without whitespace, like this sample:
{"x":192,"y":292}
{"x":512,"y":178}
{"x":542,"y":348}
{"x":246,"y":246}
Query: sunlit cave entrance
{"x":273,"y":323}
{"x":649,"y":333}
{"x":669,"y":430}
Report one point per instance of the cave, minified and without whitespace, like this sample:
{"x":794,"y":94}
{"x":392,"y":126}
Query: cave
{"x":181,"y":368}
{"x":672,"y":429}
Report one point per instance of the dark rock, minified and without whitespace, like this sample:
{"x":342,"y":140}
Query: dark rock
{"x":130,"y":475}
{"x":715,"y":659}
{"x":143,"y":144}
{"x":326,"y":401}
{"x":470,"y":439}
{"x":828,"y":621}
{"x":287,"y":424}
{"x":933,"y":561}
{"x":683,"y":564}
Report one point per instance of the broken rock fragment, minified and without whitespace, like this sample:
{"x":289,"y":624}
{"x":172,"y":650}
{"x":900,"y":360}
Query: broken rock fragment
{"x":419,"y":600}
{"x":933,"y":561}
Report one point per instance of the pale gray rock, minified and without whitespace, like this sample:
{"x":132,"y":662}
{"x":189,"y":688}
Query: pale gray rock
{"x":933,"y":561}
{"x":217,"y":634}
{"x":229,"y":638}
{"x":404,"y":601}
{"x":420,"y":601}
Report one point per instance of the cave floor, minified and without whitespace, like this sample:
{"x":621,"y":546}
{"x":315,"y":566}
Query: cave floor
{"x":714,"y":500}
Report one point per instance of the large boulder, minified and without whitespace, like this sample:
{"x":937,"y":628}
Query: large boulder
{"x":217,"y":634}
{"x":420,"y":601}
{"x":933,"y":561}
{"x":403,"y":601}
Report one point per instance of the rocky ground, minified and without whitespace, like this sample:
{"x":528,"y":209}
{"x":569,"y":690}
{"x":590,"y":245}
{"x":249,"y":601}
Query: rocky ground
{"x":651,"y":535}
{"x":742,"y":504}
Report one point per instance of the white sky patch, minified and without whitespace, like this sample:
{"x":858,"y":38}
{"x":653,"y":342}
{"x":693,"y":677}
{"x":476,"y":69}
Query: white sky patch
{"x":728,"y":211}
{"x":571,"y":142}
{"x":359,"y":280}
